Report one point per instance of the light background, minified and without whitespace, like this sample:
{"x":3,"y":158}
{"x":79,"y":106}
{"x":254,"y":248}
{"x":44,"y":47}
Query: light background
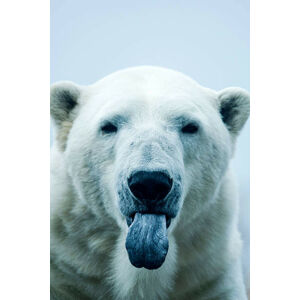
{"x":274,"y":148}
{"x":207,"y":40}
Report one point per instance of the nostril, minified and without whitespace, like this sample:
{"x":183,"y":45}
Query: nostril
{"x":150,"y":185}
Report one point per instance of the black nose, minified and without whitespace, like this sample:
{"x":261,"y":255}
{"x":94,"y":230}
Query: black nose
{"x":150,"y":185}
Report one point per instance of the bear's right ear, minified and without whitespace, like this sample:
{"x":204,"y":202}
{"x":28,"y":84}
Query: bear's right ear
{"x":64,"y":97}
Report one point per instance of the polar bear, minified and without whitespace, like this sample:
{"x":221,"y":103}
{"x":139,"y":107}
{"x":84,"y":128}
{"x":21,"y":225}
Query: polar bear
{"x":143,"y":200}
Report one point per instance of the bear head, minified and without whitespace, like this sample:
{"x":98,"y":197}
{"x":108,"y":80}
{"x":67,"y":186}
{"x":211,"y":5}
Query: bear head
{"x":149,"y":146}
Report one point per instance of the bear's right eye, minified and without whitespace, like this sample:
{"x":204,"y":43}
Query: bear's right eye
{"x":189,"y":128}
{"x":109,"y":128}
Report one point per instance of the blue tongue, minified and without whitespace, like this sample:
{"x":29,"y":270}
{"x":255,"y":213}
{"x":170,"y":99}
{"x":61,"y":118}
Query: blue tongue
{"x":147,"y":241}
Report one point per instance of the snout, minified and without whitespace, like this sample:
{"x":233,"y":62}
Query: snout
{"x":150,"y":192}
{"x":147,"y":241}
{"x":149,"y":200}
{"x":150,"y":187}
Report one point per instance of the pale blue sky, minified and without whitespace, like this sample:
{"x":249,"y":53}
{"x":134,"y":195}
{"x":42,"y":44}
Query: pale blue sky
{"x":207,"y":40}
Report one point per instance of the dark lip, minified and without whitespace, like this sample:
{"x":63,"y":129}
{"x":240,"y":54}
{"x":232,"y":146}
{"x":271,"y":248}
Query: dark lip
{"x":129,"y":219}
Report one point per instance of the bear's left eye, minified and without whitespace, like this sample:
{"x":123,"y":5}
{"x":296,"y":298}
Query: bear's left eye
{"x":189,"y":128}
{"x":109,"y":128}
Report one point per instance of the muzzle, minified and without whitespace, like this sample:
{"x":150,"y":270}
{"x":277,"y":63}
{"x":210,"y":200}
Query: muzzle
{"x":154,"y":201}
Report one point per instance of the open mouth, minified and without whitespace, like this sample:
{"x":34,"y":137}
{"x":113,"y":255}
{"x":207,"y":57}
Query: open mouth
{"x":147,"y":240}
{"x":130,"y":219}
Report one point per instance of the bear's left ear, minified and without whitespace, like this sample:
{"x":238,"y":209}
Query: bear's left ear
{"x":234,"y":107}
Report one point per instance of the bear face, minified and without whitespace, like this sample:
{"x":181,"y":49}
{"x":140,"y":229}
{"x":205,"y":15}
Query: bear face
{"x":149,"y":146}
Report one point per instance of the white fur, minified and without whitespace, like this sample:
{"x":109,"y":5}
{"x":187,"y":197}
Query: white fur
{"x":89,"y":259}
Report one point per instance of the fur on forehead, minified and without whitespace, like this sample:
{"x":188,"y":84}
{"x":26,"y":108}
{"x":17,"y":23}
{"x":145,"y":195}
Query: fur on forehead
{"x":149,"y":84}
{"x":149,"y":89}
